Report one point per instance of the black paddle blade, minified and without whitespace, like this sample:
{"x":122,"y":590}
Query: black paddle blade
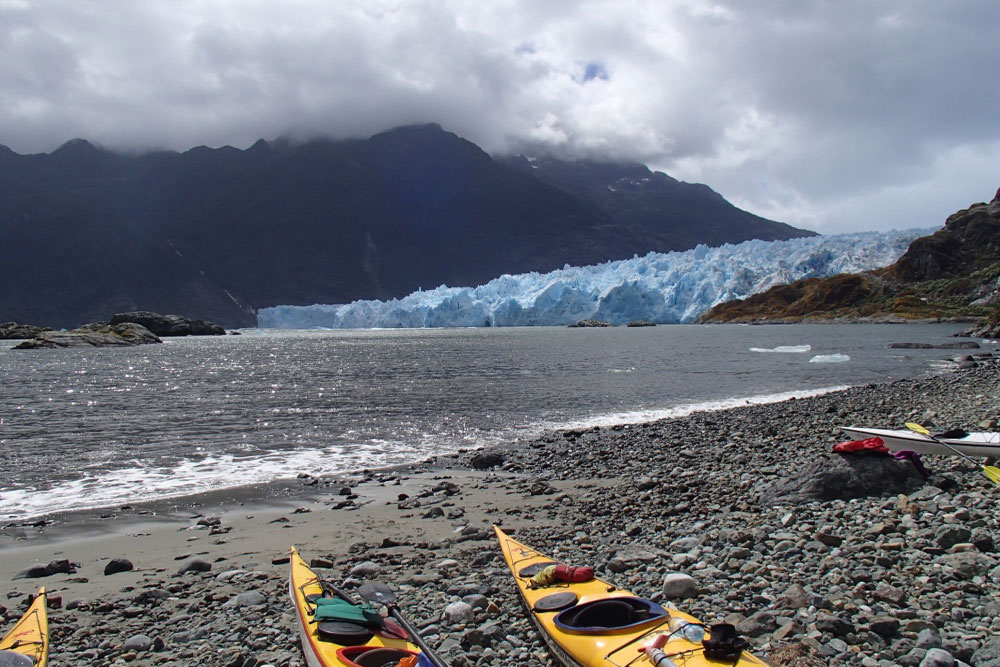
{"x":376,"y":591}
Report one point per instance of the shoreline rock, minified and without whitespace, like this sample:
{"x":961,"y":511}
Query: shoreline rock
{"x":128,"y":334}
{"x":15,"y":331}
{"x":169,"y":325}
{"x":583,"y":324}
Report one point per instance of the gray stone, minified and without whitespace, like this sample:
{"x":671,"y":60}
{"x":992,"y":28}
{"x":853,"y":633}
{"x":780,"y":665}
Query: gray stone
{"x":679,"y":586}
{"x":928,"y":638}
{"x":891,"y":594}
{"x":988,"y":654}
{"x":247,"y":599}
{"x":949,"y":536}
{"x":884,"y":626}
{"x":366,"y":570}
{"x":458,"y":613}
{"x":484,"y":460}
{"x":138,"y":643}
{"x":116,"y":565}
{"x":195,"y":565}
{"x":937,"y":657}
{"x":794,"y":597}
{"x":968,"y":564}
{"x":33,"y":572}
{"x":757,"y":624}
{"x":834,"y":625}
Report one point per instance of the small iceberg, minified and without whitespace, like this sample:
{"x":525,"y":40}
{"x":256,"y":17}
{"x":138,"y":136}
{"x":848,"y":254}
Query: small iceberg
{"x":786,"y":349}
{"x":829,"y":359}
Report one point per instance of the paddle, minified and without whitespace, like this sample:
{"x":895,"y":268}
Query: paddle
{"x":375,"y":591}
{"x":992,"y":472}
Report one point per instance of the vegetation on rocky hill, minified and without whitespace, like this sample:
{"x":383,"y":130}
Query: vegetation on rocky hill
{"x":951,"y":274}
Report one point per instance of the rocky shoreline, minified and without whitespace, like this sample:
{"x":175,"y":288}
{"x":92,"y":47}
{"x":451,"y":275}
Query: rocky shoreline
{"x":909,"y":577}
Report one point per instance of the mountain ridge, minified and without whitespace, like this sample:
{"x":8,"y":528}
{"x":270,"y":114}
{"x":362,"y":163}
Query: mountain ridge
{"x":218,"y":233}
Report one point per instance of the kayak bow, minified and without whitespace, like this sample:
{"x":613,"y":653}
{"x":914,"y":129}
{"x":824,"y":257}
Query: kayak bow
{"x":27,"y":642}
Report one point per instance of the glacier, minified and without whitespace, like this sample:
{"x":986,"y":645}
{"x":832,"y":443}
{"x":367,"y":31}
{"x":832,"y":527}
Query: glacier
{"x":664,"y":288}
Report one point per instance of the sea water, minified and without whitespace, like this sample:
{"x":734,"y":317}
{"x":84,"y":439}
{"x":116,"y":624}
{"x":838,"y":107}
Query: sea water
{"x":86,"y":428}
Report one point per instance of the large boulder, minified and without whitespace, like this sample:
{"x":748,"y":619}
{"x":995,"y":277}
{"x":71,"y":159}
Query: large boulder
{"x":169,"y":325}
{"x":842,"y":476}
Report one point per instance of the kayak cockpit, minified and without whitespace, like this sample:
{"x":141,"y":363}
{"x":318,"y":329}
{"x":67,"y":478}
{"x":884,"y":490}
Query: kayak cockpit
{"x":600,"y":616}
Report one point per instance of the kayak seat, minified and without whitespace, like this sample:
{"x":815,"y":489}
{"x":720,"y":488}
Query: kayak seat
{"x":345,"y":634}
{"x":609,"y":614}
{"x":366,"y":656}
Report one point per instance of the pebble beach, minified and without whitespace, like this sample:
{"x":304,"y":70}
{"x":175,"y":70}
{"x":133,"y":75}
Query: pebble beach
{"x":728,"y":515}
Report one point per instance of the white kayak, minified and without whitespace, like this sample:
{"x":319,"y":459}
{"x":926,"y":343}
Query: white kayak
{"x":982,"y":444}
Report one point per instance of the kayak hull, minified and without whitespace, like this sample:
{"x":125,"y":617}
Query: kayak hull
{"x":30,"y":635}
{"x":981,"y":445}
{"x":590,"y":647}
{"x":320,"y":651}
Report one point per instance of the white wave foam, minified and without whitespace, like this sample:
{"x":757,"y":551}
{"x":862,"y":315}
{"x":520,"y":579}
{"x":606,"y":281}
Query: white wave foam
{"x":193,"y":476}
{"x":786,"y":349}
{"x":644,"y":416}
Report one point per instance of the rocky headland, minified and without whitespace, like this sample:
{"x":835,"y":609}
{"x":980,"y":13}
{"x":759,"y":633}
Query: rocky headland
{"x":15,"y":331}
{"x":169,"y":325}
{"x":122,"y":330}
{"x":744,"y":515}
{"x":98,"y":334}
{"x":953,"y":274}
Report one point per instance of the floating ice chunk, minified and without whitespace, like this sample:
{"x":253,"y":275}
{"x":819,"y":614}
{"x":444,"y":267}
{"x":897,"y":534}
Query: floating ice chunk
{"x":787,"y":349}
{"x":829,"y":359}
{"x":664,"y":288}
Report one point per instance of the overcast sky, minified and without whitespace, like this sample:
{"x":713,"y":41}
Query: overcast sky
{"x":836,"y":116}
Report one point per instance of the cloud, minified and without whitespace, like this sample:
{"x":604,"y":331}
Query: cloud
{"x":833,"y":116}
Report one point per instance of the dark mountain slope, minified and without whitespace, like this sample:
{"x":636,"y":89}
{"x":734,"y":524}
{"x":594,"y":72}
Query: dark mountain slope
{"x":217,"y":233}
{"x":665,"y":213}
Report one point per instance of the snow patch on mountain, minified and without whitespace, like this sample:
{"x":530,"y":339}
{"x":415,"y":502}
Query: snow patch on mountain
{"x":664,"y":288}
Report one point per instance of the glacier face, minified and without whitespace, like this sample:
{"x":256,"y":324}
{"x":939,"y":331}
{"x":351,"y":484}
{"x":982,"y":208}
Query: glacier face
{"x":665,"y":288}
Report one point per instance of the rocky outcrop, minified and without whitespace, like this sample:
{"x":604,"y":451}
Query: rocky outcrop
{"x":15,"y":331}
{"x":952,"y":273}
{"x":128,"y":334}
{"x":169,"y":325}
{"x":583,"y":324}
{"x":969,"y":241}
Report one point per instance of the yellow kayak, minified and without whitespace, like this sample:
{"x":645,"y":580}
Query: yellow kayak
{"x":593,"y":623}
{"x":27,"y":643}
{"x":334,"y":642}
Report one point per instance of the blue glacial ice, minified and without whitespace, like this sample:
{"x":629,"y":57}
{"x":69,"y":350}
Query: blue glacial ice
{"x":664,"y":288}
